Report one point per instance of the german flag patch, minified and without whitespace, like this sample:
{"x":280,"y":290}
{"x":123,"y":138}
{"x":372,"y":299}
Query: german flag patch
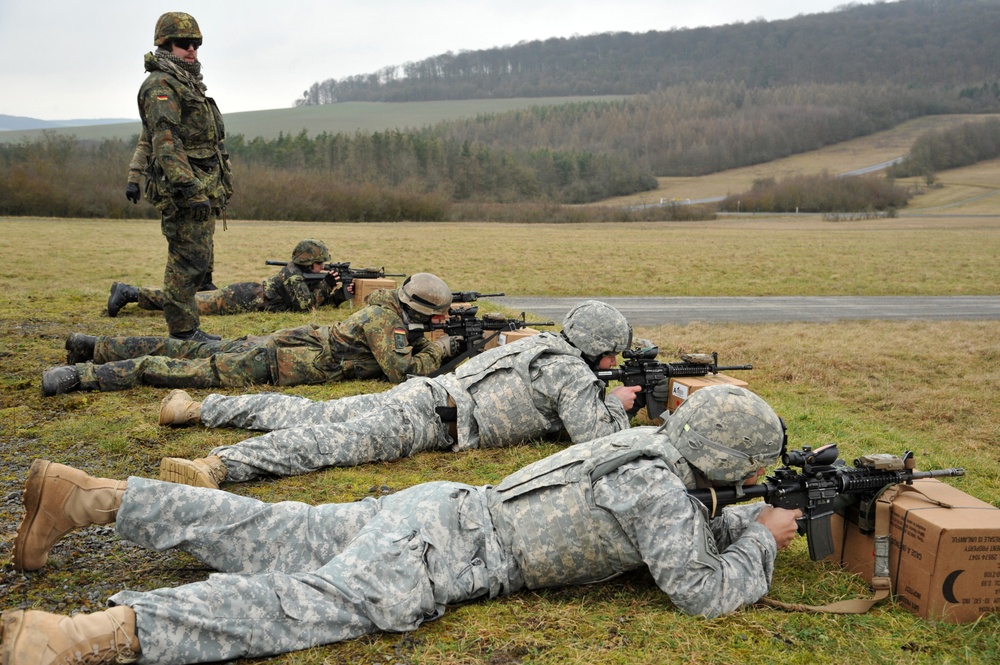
{"x":162,"y":98}
{"x":399,"y":338}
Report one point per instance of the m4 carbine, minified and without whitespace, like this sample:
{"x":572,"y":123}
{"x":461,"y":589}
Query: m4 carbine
{"x":476,"y":332}
{"x":641,"y":368}
{"x":822,"y":484}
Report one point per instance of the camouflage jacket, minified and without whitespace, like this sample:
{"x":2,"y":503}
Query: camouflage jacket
{"x":290,"y":291}
{"x":620,"y":503}
{"x":375,"y":342}
{"x":535,"y":387}
{"x":182,"y":138}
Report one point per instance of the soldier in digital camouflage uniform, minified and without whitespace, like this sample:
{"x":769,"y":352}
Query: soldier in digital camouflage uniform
{"x":294,"y":576}
{"x":536,"y":387}
{"x":288,"y":291}
{"x":187,"y":172}
{"x":377,"y":342}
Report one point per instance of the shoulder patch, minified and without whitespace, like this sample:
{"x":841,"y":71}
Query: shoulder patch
{"x":399,"y":338}
{"x":162,"y":98}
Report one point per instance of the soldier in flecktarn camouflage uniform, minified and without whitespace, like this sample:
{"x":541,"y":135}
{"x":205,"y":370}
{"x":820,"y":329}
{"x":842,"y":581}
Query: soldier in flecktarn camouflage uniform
{"x":294,"y":576}
{"x":288,"y":291}
{"x":539,"y":386}
{"x":187,"y":172}
{"x":376,"y":342}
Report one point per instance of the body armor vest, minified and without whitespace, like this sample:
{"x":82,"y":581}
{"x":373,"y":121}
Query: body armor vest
{"x":546,"y":517}
{"x":499,"y":383}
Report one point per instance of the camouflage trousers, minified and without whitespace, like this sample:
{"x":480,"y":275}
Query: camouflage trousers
{"x":267,"y":412}
{"x":287,"y":357}
{"x":190,"y":256}
{"x":294,"y":576}
{"x":402,"y":423}
{"x":233,"y":299}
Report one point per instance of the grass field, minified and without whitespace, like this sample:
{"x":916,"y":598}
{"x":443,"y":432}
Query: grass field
{"x":837,"y":159}
{"x":871,"y":386}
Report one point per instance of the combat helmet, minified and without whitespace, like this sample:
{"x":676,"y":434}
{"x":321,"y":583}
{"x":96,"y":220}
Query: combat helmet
{"x":597,"y":329}
{"x":310,"y":251}
{"x":425,"y":294}
{"x":726,"y":432}
{"x":175,"y":25}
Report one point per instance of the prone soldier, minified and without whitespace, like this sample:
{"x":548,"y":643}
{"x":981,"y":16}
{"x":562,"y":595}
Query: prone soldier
{"x":376,"y":342}
{"x":288,"y":291}
{"x":539,"y":386}
{"x":294,"y":576}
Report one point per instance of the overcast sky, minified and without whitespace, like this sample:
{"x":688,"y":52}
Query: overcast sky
{"x":68,"y":59}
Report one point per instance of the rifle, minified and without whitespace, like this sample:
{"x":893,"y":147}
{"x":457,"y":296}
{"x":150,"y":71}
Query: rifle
{"x":824,"y":485}
{"x":347,"y":274}
{"x":462,"y":322}
{"x":641,"y":368}
{"x":472,"y":296}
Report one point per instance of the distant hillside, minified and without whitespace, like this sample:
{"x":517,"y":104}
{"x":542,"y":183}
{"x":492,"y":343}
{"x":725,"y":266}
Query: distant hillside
{"x":17,"y":122}
{"x":925,"y":43}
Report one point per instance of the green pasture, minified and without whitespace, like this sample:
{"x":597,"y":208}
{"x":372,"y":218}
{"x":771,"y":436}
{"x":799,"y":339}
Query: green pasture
{"x":347,"y":118}
{"x":870,"y":386}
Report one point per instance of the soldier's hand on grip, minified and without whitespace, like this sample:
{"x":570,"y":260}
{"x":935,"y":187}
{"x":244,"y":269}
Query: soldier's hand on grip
{"x":449,"y":345}
{"x":781,"y":523}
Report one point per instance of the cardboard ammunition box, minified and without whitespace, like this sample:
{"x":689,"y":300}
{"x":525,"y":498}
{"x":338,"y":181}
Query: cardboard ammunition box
{"x":944,"y":562}
{"x":681,"y":387}
{"x":364,"y":287}
{"x":508,"y":336}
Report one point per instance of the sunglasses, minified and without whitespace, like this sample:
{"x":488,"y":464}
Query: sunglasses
{"x":185,"y":44}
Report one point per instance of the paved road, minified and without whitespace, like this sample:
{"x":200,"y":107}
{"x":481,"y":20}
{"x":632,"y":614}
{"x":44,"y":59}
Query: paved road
{"x":647,"y":311}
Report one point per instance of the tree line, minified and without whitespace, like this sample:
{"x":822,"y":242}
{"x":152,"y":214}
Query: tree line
{"x":945,"y":149}
{"x":922,"y":43}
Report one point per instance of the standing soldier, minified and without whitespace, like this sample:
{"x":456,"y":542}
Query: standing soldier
{"x":288,"y":291}
{"x":188,"y":177}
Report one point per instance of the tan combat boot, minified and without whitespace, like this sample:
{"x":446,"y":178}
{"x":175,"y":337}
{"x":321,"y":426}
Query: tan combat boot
{"x":207,"y":472}
{"x":58,"y":499}
{"x":178,"y":409}
{"x":31,"y":637}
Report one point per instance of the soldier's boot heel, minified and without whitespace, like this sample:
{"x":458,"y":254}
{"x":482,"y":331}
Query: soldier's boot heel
{"x":206,"y":472}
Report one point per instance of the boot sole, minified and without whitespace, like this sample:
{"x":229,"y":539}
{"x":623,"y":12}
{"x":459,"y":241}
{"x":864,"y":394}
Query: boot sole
{"x":180,"y":471}
{"x":10,"y":625}
{"x":31,"y":498}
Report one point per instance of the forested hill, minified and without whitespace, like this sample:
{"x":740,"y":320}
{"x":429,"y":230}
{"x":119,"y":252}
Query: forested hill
{"x":926,"y":43}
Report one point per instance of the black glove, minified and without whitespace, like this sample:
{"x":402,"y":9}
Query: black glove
{"x":200,"y":210}
{"x":332,"y":279}
{"x":132,"y":192}
{"x":661,"y":391}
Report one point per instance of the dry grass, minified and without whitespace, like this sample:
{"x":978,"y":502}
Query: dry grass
{"x":835,"y":159}
{"x":870,"y":386}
